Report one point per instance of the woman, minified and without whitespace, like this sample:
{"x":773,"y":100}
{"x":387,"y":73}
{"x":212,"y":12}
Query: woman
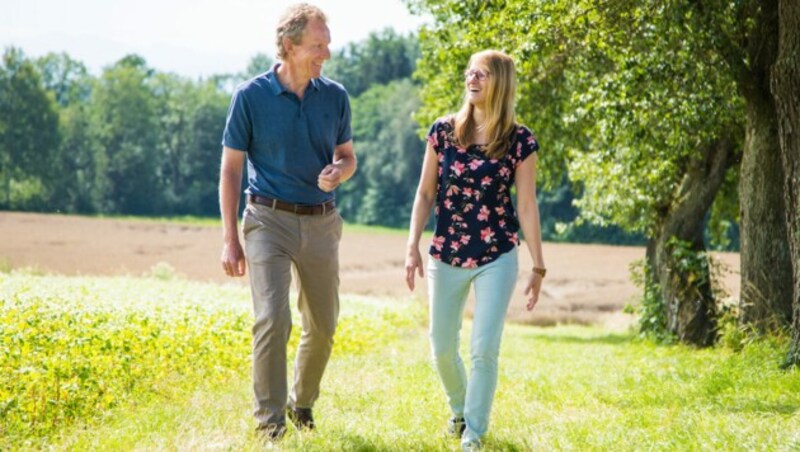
{"x":471,"y":161}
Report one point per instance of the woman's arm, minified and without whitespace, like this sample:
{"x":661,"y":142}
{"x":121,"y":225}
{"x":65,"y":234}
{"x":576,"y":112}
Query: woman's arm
{"x":423,"y":202}
{"x":528,"y":211}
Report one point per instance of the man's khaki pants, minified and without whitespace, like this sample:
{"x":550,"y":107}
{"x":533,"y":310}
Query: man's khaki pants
{"x":275,"y":241}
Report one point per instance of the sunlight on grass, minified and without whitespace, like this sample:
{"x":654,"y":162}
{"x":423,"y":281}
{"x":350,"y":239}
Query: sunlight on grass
{"x":564,"y":388}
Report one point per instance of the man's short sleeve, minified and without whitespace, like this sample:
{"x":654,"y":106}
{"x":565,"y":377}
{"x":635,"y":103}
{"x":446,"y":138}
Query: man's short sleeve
{"x":239,"y":124}
{"x":345,"y":134}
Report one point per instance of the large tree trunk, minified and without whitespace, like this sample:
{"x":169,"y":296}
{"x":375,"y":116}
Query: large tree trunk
{"x":766,"y":267}
{"x":786,"y":89}
{"x":687,"y":295}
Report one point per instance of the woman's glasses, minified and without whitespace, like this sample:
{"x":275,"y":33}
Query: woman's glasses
{"x":477,"y":73}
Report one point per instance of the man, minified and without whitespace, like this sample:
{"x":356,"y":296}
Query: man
{"x":292,"y":126}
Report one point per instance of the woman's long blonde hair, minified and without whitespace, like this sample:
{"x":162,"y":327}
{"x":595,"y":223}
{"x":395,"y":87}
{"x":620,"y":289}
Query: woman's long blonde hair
{"x":500,"y":117}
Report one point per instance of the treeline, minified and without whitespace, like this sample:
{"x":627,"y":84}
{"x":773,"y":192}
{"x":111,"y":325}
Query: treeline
{"x":137,"y":141}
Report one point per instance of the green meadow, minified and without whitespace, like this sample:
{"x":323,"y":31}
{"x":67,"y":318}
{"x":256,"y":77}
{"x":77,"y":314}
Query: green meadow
{"x":162,"y":363}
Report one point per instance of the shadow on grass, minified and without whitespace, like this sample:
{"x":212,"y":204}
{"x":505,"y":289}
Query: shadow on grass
{"x":609,"y":339}
{"x":353,"y":442}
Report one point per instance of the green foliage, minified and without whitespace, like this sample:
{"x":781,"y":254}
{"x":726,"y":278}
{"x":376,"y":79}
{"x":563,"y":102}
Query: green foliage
{"x":71,"y":349}
{"x":389,"y":154}
{"x":652,"y":310}
{"x":28,"y":134}
{"x":378,"y":60}
{"x":259,"y":63}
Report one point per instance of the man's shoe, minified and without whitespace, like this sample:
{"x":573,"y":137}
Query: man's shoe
{"x":300,"y":417}
{"x":456,"y":426}
{"x":271,"y":432}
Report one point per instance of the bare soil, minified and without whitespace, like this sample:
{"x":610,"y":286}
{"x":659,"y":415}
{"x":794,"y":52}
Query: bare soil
{"x":585,"y":284}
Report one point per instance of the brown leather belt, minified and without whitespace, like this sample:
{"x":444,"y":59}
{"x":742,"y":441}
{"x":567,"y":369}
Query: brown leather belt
{"x":319,"y":209}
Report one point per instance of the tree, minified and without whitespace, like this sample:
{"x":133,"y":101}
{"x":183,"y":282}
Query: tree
{"x":126,"y":125}
{"x":79,"y":164}
{"x":68,"y":79}
{"x":785,"y":86}
{"x":377,"y":60}
{"x":748,"y":41}
{"x":259,"y":63}
{"x":390,"y":153}
{"x":28,"y":133}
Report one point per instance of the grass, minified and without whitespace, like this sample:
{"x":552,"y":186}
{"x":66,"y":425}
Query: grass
{"x":563,"y":388}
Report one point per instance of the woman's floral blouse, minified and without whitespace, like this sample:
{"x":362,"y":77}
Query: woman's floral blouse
{"x":475,"y":220}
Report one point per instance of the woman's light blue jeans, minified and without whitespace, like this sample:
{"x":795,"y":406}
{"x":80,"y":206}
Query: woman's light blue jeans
{"x":448,"y":287}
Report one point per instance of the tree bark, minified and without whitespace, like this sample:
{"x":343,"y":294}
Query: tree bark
{"x":687,"y":293}
{"x":766,"y":267}
{"x":786,"y":91}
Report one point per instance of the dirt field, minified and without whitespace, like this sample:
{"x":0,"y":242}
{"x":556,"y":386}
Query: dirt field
{"x":587,"y":284}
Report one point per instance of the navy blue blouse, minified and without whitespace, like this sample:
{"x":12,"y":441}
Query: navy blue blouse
{"x":475,"y":220}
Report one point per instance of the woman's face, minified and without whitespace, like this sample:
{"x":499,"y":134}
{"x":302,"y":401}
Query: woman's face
{"x":476,"y":78}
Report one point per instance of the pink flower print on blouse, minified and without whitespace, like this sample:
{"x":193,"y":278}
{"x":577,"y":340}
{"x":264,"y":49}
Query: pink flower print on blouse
{"x":500,"y":210}
{"x":470,"y":263}
{"x":465,"y":239}
{"x":468,"y":207}
{"x":483,"y":215}
{"x":453,"y":190}
{"x":438,"y":242}
{"x":486,"y":181}
{"x":475,"y":164}
{"x":487,"y":235}
{"x":448,"y":204}
{"x":433,"y":141}
{"x":455,"y":246}
{"x":504,"y":171}
{"x":467,"y":192}
{"x":457,"y":168}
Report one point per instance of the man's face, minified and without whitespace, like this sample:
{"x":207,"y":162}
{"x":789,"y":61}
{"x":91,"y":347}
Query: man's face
{"x":307,"y":56}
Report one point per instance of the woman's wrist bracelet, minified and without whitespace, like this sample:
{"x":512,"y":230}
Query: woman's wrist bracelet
{"x":540,"y":271}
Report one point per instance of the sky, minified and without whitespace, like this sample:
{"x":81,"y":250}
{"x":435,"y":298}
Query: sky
{"x":193,"y":38}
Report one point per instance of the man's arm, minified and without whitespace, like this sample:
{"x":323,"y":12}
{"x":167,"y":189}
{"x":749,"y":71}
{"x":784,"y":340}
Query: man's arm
{"x":230,"y":186}
{"x":343,"y":167}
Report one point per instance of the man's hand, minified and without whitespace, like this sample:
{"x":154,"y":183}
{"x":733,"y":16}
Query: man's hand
{"x":329,"y":178}
{"x":233,"y":262}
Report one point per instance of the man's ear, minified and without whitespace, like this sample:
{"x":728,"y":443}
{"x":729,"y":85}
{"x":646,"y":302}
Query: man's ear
{"x":287,"y":45}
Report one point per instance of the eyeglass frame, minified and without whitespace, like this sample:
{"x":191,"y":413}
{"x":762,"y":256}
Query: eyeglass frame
{"x":477,"y":73}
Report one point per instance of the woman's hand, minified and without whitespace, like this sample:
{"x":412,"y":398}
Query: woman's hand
{"x":413,"y":264}
{"x":533,"y":288}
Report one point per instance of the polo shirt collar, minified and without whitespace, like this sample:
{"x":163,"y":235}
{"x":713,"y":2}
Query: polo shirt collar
{"x":275,"y":84}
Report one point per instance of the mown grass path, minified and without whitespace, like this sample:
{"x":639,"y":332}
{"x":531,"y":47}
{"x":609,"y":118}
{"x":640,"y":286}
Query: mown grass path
{"x":565,"y":388}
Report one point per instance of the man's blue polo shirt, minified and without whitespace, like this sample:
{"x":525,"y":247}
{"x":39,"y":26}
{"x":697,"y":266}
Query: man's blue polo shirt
{"x":288,"y":140}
